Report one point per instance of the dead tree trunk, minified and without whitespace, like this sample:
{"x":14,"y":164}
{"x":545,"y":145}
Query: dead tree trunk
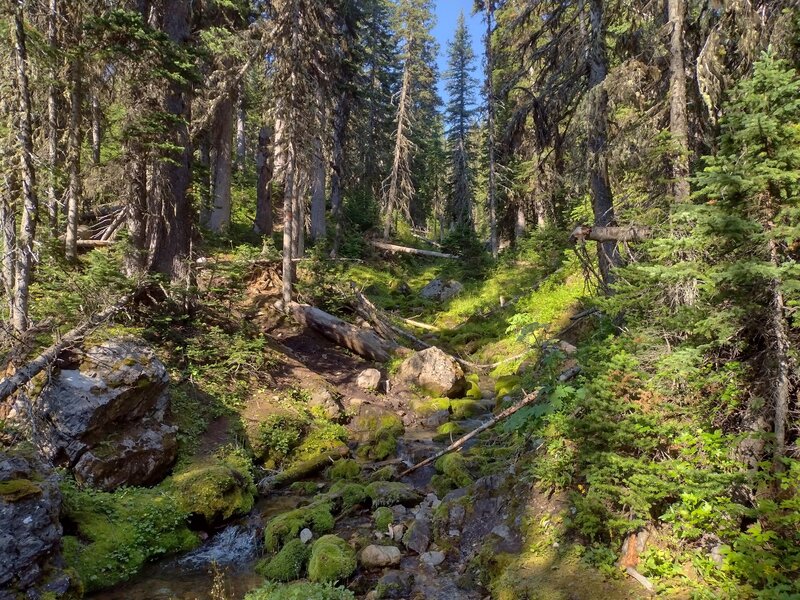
{"x":97,"y":128}
{"x":361,"y":341}
{"x":263,"y":221}
{"x":221,"y":155}
{"x":8,"y":227}
{"x":407,"y":250}
{"x":400,"y":186}
{"x":678,"y":121}
{"x":74,"y":160}
{"x":599,"y":183}
{"x":25,"y":255}
{"x":23,"y":375}
{"x":631,"y":233}
{"x":490,"y":118}
{"x":288,"y":222}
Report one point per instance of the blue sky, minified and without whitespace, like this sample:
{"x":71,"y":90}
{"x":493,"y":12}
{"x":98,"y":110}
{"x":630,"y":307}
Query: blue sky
{"x":447,"y":12}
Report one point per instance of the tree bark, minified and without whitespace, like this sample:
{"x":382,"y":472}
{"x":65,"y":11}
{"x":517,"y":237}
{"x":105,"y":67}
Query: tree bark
{"x":363,"y":342}
{"x":599,"y":184}
{"x":74,"y":160}
{"x":221,"y":155}
{"x":288,"y":224}
{"x":490,"y":118}
{"x":97,"y":128}
{"x":241,"y":122}
{"x":23,"y":375}
{"x":170,"y":238}
{"x":779,"y":350}
{"x":678,"y":121}
{"x":8,"y":228}
{"x":399,"y":182}
{"x":263,"y":221}
{"x":407,"y":250}
{"x":631,"y":233}
{"x":27,"y":236}
{"x":340,"y":117}
{"x":52,"y":119}
{"x":318,"y":192}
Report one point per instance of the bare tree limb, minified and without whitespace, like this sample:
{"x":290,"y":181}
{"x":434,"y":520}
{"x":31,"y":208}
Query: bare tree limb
{"x":394,"y":248}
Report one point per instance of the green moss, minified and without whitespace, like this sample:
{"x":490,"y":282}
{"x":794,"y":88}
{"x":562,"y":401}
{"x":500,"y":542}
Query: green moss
{"x":454,"y":472}
{"x":383,"y":517}
{"x":287,"y":526}
{"x":344,"y":469}
{"x":278,"y":435}
{"x":473,"y":391}
{"x":323,"y":436}
{"x":382,"y":433}
{"x":117,"y":533}
{"x":386,"y":473}
{"x":428,"y":406}
{"x":14,"y":490}
{"x":332,"y":559}
{"x":464,"y":409}
{"x":302,"y":590}
{"x":352,"y":494}
{"x":304,"y":487}
{"x":506,"y":384}
{"x":286,"y":565}
{"x":217,"y":489}
{"x":389,"y":493}
{"x":447,"y":432}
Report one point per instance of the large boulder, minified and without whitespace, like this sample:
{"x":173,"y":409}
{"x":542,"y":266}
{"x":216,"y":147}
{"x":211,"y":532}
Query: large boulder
{"x":104,"y":417}
{"x":440,"y":290}
{"x":30,"y":531}
{"x":434,"y":371}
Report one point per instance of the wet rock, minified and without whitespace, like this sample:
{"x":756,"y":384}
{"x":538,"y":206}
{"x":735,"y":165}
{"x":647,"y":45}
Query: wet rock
{"x":418,"y":536}
{"x":30,"y":531}
{"x":394,"y":585}
{"x":369,"y":379}
{"x":389,"y":493}
{"x":432,"y":559}
{"x":231,"y":546}
{"x":440,"y":417}
{"x":434,"y":371}
{"x":398,"y":531}
{"x":306,"y":535}
{"x":376,"y":557}
{"x":104,"y":418}
{"x":440,"y":290}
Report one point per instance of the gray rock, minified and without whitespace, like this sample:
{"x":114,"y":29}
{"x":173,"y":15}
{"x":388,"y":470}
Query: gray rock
{"x":30,"y":531}
{"x":376,"y":557}
{"x":104,"y":418}
{"x":456,"y":515}
{"x":394,"y":585}
{"x":433,"y":559}
{"x":440,"y":290}
{"x":434,"y":371}
{"x":440,"y":417}
{"x":398,"y":531}
{"x":306,"y":535}
{"x":418,"y":536}
{"x":369,"y":379}
{"x":389,"y":493}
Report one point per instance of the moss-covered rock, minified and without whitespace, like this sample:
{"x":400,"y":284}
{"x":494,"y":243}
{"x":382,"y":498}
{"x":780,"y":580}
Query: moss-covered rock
{"x":344,"y":469}
{"x":288,"y":564}
{"x":352,"y":494}
{"x":117,"y":533}
{"x":286,"y":526}
{"x":216,"y":489}
{"x":14,"y":490}
{"x":447,"y":432}
{"x":473,"y":390}
{"x":506,"y":384}
{"x":379,"y":433}
{"x":465,"y":408}
{"x":389,"y":493}
{"x":453,"y":472}
{"x":382,"y":517}
{"x":386,"y":473}
{"x":332,"y":559}
{"x":301,"y":590}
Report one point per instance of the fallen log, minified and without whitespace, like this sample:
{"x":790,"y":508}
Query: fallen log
{"x":370,"y":312}
{"x":93,"y":243}
{"x":528,"y":399}
{"x":597,"y":233}
{"x":394,"y":248}
{"x":419,"y":324}
{"x":426,"y":240}
{"x":301,"y":470}
{"x":363,"y":342}
{"x":11,"y":384}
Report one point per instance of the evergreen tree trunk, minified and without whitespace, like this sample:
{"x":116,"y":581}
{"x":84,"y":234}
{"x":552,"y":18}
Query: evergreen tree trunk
{"x":8,"y":230}
{"x":74,"y":160}
{"x":340,"y":117}
{"x":263,"y":221}
{"x":221,"y":155}
{"x":299,"y":189}
{"x":678,"y":121}
{"x":52,"y":120}
{"x":170,"y":239}
{"x":288,"y":224}
{"x":318,"y":192}
{"x":599,"y":184}
{"x":399,"y":178}
{"x":490,"y":118}
{"x":241,"y":137}
{"x":97,"y":128}
{"x":30,"y":208}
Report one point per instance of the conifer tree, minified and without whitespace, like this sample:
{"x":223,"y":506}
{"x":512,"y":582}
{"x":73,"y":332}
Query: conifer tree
{"x":459,"y":111}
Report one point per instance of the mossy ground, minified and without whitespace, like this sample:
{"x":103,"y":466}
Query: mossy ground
{"x":301,"y":590}
{"x":288,"y":564}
